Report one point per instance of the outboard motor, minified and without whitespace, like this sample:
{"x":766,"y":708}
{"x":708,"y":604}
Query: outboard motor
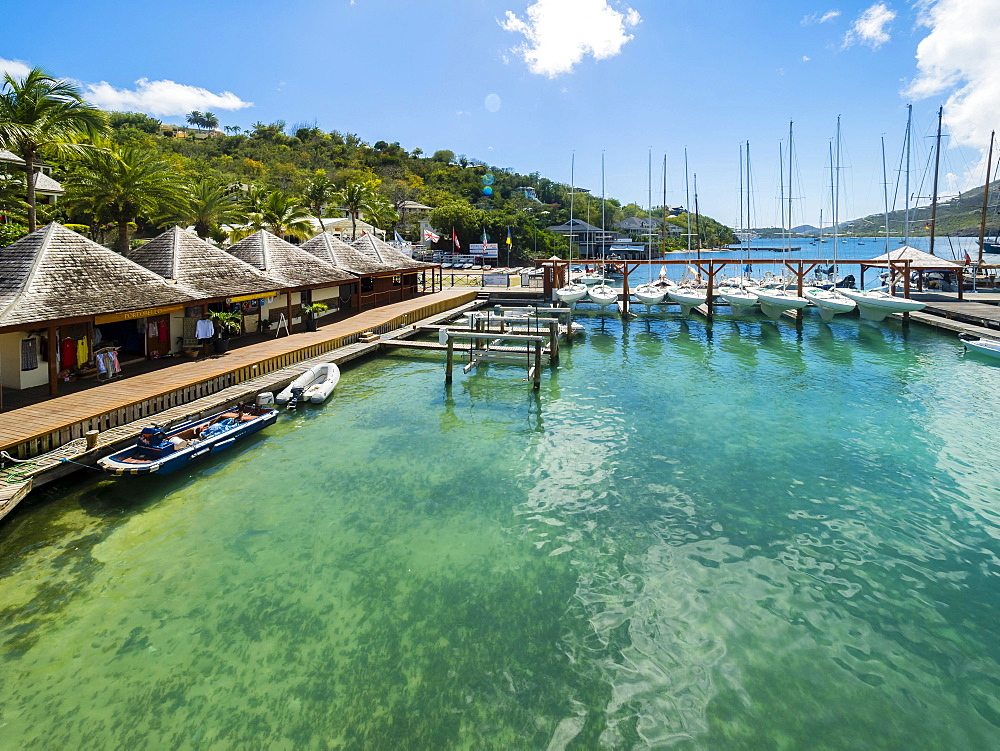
{"x":848,"y":282}
{"x":296,"y":397}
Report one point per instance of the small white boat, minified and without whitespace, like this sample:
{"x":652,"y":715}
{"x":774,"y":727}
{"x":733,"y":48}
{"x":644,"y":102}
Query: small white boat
{"x":572,"y":292}
{"x":314,"y":385}
{"x":688,"y":297}
{"x":988,"y":347}
{"x":774,"y":302}
{"x":876,"y":304}
{"x":591,"y":280}
{"x":603,"y":295}
{"x":830,"y":302}
{"x":649,"y":294}
{"x":739,"y":299}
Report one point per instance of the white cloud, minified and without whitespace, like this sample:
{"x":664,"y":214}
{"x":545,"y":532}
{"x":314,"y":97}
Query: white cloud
{"x":559,"y":33}
{"x":161,"y":98}
{"x":817,"y":18}
{"x":15,"y":68}
{"x":959,"y":57}
{"x":870,"y":27}
{"x":806,"y":58}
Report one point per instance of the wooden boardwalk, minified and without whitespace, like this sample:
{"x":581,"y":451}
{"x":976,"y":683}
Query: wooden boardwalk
{"x":978,"y":309}
{"x":42,"y":427}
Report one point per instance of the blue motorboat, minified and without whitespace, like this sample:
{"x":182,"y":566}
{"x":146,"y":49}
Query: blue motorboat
{"x":161,"y":451}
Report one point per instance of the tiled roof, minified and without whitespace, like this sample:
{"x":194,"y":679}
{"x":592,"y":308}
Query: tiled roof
{"x":335,"y":251}
{"x":10,"y":157}
{"x":184,"y":257}
{"x":283,"y":261}
{"x":918,"y":259}
{"x":383,"y":252}
{"x":45,"y":184}
{"x":55,"y":273}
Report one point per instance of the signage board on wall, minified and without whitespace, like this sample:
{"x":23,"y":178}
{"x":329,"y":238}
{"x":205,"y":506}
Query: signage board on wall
{"x":486,"y":250}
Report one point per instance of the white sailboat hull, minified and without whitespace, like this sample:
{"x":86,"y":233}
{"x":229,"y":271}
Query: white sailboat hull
{"x":775,"y":302}
{"x":571,"y":293}
{"x":649,"y":294}
{"x":739,"y":300}
{"x":687,"y":298}
{"x":602,"y":295}
{"x":830,"y":303}
{"x":876,"y":305}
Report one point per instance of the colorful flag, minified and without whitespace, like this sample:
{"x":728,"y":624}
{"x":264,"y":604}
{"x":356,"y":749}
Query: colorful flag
{"x":486,"y":239}
{"x":399,"y":238}
{"x":428,"y":235}
{"x":508,"y":237}
{"x":968,"y":261}
{"x":454,"y":239}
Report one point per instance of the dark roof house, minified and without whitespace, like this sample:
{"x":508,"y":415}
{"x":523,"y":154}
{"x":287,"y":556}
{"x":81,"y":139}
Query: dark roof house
{"x":289,"y":264}
{"x":381,"y":252}
{"x":183,"y":257}
{"x":54,"y":273}
{"x":335,"y":251}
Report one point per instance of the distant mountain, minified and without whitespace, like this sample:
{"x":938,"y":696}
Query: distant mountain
{"x":805,"y":229}
{"x":959,"y":217}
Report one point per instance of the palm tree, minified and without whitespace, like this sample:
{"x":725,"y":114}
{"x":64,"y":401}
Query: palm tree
{"x":194,"y":117}
{"x":40,"y":116}
{"x":356,"y":196}
{"x":210,"y":121}
{"x":318,"y":194}
{"x":277,"y":212}
{"x":206,"y":206}
{"x":122,"y":184}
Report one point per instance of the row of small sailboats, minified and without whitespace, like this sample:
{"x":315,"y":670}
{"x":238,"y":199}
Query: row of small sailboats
{"x":744,"y":294}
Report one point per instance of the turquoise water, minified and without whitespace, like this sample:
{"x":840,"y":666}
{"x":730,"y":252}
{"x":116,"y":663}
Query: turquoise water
{"x":743,"y":536}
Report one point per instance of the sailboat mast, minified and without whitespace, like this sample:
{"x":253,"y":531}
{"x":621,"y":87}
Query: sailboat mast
{"x":885,"y":197}
{"x":697,"y":215}
{"x":663,"y":213}
{"x":572,"y":197}
{"x":781,"y":200}
{"x":603,"y":196}
{"x":649,"y":199}
{"x":790,"y":224}
{"x":906,"y":198}
{"x":687,"y":198}
{"x":986,"y":198}
{"x":937,"y":166}
{"x":739,"y":223}
{"x":836,"y":201}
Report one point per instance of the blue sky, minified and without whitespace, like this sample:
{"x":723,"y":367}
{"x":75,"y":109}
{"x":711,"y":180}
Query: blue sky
{"x":525,"y":83}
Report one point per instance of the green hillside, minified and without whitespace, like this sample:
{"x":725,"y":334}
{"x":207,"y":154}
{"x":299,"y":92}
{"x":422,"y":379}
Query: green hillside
{"x":958,"y":217}
{"x":311,"y":168}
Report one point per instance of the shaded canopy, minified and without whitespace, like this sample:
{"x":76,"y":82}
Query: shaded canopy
{"x":919,"y":260}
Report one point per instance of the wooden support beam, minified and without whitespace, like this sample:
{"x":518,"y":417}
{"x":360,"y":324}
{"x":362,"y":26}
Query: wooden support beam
{"x":53,"y":355}
{"x":554,"y":341}
{"x":536,"y":381}
{"x":450,"y":362}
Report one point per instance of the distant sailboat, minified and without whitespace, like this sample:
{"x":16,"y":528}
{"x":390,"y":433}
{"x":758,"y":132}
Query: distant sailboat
{"x":571,"y":292}
{"x":602,"y":294}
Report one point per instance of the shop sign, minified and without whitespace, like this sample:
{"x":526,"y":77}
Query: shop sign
{"x":258,"y":296}
{"x":133,"y":315}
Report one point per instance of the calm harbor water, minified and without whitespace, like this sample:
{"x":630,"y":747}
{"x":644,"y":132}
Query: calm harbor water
{"x":743,"y":536}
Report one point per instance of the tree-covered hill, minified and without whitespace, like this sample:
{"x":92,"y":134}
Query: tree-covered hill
{"x":275,"y":176}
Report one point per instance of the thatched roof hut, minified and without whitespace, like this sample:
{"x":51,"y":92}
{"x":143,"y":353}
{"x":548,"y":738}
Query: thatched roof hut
{"x":54,"y":273}
{"x":335,"y":251}
{"x":288,"y":263}
{"x":382,"y":252}
{"x":919,"y":260}
{"x":183,"y":257}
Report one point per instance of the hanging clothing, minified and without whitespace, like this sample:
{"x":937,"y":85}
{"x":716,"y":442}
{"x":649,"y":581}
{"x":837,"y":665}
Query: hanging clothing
{"x":102,"y":363}
{"x":29,"y":354}
{"x":114,"y":362}
{"x":205,"y":329}
{"x":82,"y":352}
{"x":151,"y":331}
{"x":98,"y":336}
{"x":67,"y":353}
{"x":162,"y":331}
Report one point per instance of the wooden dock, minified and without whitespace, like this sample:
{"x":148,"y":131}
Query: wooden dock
{"x":39,"y":428}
